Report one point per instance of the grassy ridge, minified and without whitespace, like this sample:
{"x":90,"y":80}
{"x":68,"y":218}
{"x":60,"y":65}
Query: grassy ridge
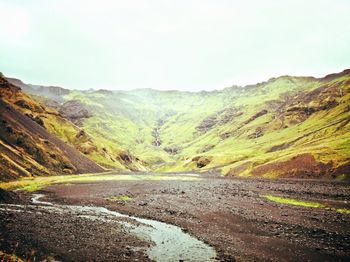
{"x":297,"y":121}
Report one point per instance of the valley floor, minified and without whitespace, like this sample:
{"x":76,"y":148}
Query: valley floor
{"x":241,"y":218}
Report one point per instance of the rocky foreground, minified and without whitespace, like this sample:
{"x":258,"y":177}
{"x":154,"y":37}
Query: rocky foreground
{"x":235,"y":216}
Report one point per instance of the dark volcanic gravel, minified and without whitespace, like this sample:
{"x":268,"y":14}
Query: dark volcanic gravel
{"x":43,"y":235}
{"x":232,"y":215}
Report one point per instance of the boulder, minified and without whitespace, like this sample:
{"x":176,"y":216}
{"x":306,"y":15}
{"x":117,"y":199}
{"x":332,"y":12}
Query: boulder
{"x":201,"y":161}
{"x":8,"y":197}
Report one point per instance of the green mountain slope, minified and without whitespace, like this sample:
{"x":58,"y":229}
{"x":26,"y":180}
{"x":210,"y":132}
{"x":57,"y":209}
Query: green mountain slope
{"x":285,"y":127}
{"x":64,"y":123}
{"x":26,"y":147}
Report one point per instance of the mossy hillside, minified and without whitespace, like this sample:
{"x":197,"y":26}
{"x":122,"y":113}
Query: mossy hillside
{"x":92,"y":144}
{"x":22,"y":151}
{"x":259,"y":124}
{"x":89,"y":145}
{"x":323,"y":133}
{"x":60,"y":127}
{"x":128,"y":129}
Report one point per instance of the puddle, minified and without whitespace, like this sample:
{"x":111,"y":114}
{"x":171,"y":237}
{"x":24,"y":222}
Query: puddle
{"x":170,"y":243}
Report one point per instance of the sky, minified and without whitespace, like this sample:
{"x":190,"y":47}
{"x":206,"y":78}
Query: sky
{"x":171,"y":44}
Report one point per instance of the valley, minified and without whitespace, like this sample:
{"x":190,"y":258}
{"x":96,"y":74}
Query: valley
{"x":285,"y":127}
{"x":246,"y":173}
{"x":175,"y":131}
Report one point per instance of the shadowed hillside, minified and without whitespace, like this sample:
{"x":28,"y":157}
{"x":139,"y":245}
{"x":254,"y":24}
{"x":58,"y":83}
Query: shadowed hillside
{"x":285,"y":127}
{"x":26,"y":148}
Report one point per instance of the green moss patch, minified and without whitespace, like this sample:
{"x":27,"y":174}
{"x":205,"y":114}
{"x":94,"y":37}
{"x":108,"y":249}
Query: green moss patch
{"x":119,"y":198}
{"x":341,"y":177}
{"x":302,"y":203}
{"x":294,"y":202}
{"x":343,"y":210}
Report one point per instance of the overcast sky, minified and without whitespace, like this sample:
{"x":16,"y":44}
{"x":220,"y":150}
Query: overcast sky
{"x":164,"y":44}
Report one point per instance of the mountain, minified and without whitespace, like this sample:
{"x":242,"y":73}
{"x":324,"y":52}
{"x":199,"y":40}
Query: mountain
{"x":285,"y":127}
{"x":26,"y":147}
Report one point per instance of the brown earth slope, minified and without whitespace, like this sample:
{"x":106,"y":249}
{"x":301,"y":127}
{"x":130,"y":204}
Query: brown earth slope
{"x":26,"y":147}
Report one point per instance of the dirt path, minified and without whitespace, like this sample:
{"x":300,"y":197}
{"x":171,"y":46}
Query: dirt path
{"x":232,"y":215}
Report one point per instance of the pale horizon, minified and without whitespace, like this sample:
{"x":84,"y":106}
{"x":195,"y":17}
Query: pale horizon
{"x":184,"y":90}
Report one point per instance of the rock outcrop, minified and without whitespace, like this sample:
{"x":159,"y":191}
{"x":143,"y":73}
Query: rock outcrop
{"x":75,"y":111}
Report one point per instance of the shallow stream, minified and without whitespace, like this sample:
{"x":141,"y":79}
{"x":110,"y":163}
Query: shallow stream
{"x":170,"y":243}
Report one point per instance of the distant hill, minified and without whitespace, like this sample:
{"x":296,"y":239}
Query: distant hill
{"x":285,"y":127}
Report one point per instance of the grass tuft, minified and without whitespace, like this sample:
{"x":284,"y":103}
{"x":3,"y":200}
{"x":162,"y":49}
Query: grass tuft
{"x":296,"y":202}
{"x":119,"y":198}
